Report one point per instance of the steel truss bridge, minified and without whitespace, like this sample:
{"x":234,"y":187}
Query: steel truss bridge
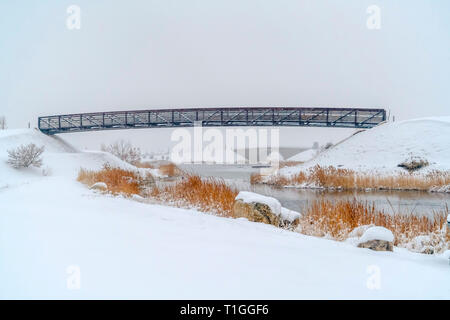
{"x":214,"y":117}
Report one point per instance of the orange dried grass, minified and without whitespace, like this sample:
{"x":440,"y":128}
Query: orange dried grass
{"x":208,"y":194}
{"x":346,"y":179}
{"x":338,"y":219}
{"x":170,"y":170}
{"x":117,"y":180}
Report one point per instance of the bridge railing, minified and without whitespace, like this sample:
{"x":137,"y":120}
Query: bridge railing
{"x":214,"y":117}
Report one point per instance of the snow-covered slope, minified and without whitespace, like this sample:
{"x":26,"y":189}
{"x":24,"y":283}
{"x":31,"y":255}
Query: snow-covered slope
{"x":59,"y":157}
{"x":304,"y":156}
{"x":384,"y":147}
{"x":51,"y":227}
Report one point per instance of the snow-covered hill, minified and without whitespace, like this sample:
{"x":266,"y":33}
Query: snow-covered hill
{"x":59,"y":158}
{"x":51,"y":227}
{"x":382,"y":148}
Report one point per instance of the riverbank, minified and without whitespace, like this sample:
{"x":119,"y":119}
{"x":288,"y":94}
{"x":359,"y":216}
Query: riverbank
{"x":331,"y":178}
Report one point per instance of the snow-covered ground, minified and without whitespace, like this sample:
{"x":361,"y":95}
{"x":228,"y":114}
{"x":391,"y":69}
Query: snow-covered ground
{"x":51,"y":227}
{"x":382,"y":148}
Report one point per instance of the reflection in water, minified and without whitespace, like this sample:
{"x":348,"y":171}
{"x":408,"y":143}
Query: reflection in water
{"x":414,"y":202}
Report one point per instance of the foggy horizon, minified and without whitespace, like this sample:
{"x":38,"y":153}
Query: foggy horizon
{"x":158,"y":54}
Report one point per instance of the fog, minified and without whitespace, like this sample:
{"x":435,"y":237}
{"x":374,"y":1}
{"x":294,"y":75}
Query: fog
{"x":157,"y":54}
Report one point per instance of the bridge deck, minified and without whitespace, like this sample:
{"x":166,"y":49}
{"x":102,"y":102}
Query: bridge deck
{"x":214,"y":117}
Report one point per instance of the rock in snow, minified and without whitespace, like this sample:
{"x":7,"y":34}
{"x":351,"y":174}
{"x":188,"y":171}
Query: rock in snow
{"x":259,"y":208}
{"x":378,"y":239}
{"x":256,"y":212}
{"x":251,"y":197}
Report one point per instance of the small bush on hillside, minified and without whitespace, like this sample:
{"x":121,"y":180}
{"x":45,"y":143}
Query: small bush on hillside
{"x":124,"y":151}
{"x":413,"y":164}
{"x":3,"y":123}
{"x":25,"y":156}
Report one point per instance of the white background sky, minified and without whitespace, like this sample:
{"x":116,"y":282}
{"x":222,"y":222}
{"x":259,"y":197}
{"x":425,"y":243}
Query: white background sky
{"x":150,"y":54}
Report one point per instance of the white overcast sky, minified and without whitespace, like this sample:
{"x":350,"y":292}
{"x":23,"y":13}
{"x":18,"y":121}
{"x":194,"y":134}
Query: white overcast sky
{"x":148,"y":54}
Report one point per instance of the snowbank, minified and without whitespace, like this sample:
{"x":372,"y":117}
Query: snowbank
{"x":130,"y":250}
{"x":382,"y":148}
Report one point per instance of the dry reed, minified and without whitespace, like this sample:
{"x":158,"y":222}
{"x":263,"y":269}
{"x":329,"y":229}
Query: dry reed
{"x":117,"y":180}
{"x":336,"y":219}
{"x":207,"y":195}
{"x":346,"y":179}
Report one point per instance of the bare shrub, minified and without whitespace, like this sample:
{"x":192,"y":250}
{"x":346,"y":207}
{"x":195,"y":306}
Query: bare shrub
{"x":25,"y":156}
{"x":413,"y":164}
{"x":3,"y":123}
{"x":124,"y":150}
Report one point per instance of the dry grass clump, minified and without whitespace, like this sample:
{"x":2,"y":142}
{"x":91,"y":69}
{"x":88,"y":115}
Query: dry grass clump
{"x":118,"y":181}
{"x":256,"y":178}
{"x":413,"y":164}
{"x":170,"y":170}
{"x":337,"y":219}
{"x":207,"y":195}
{"x":289,"y":163}
{"x":346,"y":179}
{"x":144,"y":164}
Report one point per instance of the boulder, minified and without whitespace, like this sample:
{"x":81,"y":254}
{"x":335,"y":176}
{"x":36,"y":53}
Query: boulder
{"x":289,"y":218}
{"x":256,"y":212}
{"x":377,"y":245}
{"x":378,"y":239}
{"x":258,"y":208}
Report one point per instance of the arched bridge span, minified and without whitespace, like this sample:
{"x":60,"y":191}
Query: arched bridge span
{"x":214,"y":117}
